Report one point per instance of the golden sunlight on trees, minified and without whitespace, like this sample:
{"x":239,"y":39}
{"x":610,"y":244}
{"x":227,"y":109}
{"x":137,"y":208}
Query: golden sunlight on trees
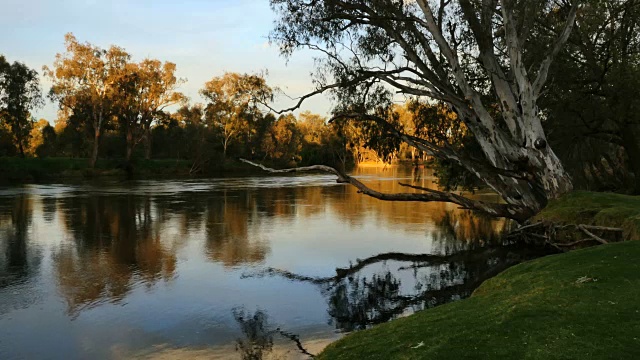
{"x":37,"y":136}
{"x":232,"y":103}
{"x":85,"y":77}
{"x":146,"y":89}
{"x":283,"y":139}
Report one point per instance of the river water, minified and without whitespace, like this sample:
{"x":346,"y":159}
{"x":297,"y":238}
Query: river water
{"x":230,"y":268}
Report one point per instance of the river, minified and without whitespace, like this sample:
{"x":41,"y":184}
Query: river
{"x":229,"y":268}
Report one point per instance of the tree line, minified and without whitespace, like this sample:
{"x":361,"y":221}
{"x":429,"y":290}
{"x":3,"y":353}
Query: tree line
{"x":528,"y":98}
{"x":113,"y":107}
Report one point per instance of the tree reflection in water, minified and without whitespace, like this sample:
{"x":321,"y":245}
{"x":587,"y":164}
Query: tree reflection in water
{"x":116,"y":246}
{"x":359,"y":297}
{"x":15,"y":219}
{"x":18,"y":261}
{"x":107,"y":244}
{"x":258,"y":338}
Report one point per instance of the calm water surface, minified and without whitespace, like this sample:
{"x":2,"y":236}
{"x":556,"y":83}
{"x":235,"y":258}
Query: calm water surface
{"x":226,"y":268}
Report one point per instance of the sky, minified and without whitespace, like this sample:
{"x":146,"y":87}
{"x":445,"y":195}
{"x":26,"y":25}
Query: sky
{"x":204,"y":38}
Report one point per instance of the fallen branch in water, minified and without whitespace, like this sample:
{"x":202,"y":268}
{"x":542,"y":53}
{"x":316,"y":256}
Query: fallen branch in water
{"x":472,"y":255}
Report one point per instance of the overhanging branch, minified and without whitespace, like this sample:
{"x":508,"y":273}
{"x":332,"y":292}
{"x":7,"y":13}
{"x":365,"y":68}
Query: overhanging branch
{"x":494,"y":209}
{"x":562,"y":39}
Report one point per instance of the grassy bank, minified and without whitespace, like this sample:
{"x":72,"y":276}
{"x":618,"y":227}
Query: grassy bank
{"x":578,"y":305}
{"x":26,"y":170}
{"x":593,"y":208}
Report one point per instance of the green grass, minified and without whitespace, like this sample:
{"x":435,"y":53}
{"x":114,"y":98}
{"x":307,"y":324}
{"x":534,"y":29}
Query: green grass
{"x":535,"y":310}
{"x":603,"y":209}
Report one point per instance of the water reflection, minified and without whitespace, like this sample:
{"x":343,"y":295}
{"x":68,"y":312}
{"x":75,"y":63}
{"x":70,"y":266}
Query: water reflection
{"x":463,"y":230}
{"x":358,"y":301}
{"x":382,"y":287}
{"x":129,"y":265}
{"x":116,"y":244}
{"x":228,"y":219}
{"x":17,"y":260}
{"x":467,"y":250}
{"x":258,"y":338}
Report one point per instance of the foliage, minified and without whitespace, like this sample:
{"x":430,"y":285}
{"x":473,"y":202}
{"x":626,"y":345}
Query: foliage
{"x":472,"y":57}
{"x":594,"y":123}
{"x":19,"y":94}
{"x":535,"y":310}
{"x":232,"y":104}
{"x":144,"y":90}
{"x":85,"y":85}
{"x":283,"y":139}
{"x":22,"y":170}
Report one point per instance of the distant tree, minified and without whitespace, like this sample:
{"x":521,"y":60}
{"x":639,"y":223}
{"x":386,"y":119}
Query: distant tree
{"x":283,"y":140}
{"x":49,"y":142}
{"x":145,"y":90}
{"x":261,"y":127}
{"x":74,"y":134}
{"x":232,"y":104}
{"x":312,"y":126}
{"x":19,"y":94}
{"x":36,"y":137}
{"x":85,"y":80}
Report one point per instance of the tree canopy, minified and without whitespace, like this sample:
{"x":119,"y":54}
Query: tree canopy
{"x":472,"y":56}
{"x":85,"y":77}
{"x":526,"y":98}
{"x":19,"y":94}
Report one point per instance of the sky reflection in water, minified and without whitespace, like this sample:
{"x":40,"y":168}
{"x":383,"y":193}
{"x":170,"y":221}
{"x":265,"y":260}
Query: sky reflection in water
{"x":213,"y":268}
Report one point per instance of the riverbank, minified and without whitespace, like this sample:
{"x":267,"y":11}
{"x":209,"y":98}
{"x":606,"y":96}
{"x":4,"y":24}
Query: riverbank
{"x":581,"y":304}
{"x":595,"y":208}
{"x":574,"y":305}
{"x":33,"y":170}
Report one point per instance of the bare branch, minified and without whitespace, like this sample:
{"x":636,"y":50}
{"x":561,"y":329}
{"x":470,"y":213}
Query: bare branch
{"x":572,"y":244}
{"x":493,"y":209}
{"x":320,"y":90}
{"x":592,"y":235}
{"x":562,"y":39}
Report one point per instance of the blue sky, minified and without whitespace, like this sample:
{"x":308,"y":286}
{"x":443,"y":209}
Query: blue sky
{"x":204,"y":38}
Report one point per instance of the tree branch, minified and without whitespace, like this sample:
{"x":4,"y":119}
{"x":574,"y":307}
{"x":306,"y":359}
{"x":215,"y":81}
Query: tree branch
{"x":498,"y":210}
{"x":562,"y":39}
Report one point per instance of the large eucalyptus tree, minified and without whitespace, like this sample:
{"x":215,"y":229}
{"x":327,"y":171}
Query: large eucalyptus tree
{"x":145,"y":90}
{"x":471,"y":55}
{"x":85,"y":80}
